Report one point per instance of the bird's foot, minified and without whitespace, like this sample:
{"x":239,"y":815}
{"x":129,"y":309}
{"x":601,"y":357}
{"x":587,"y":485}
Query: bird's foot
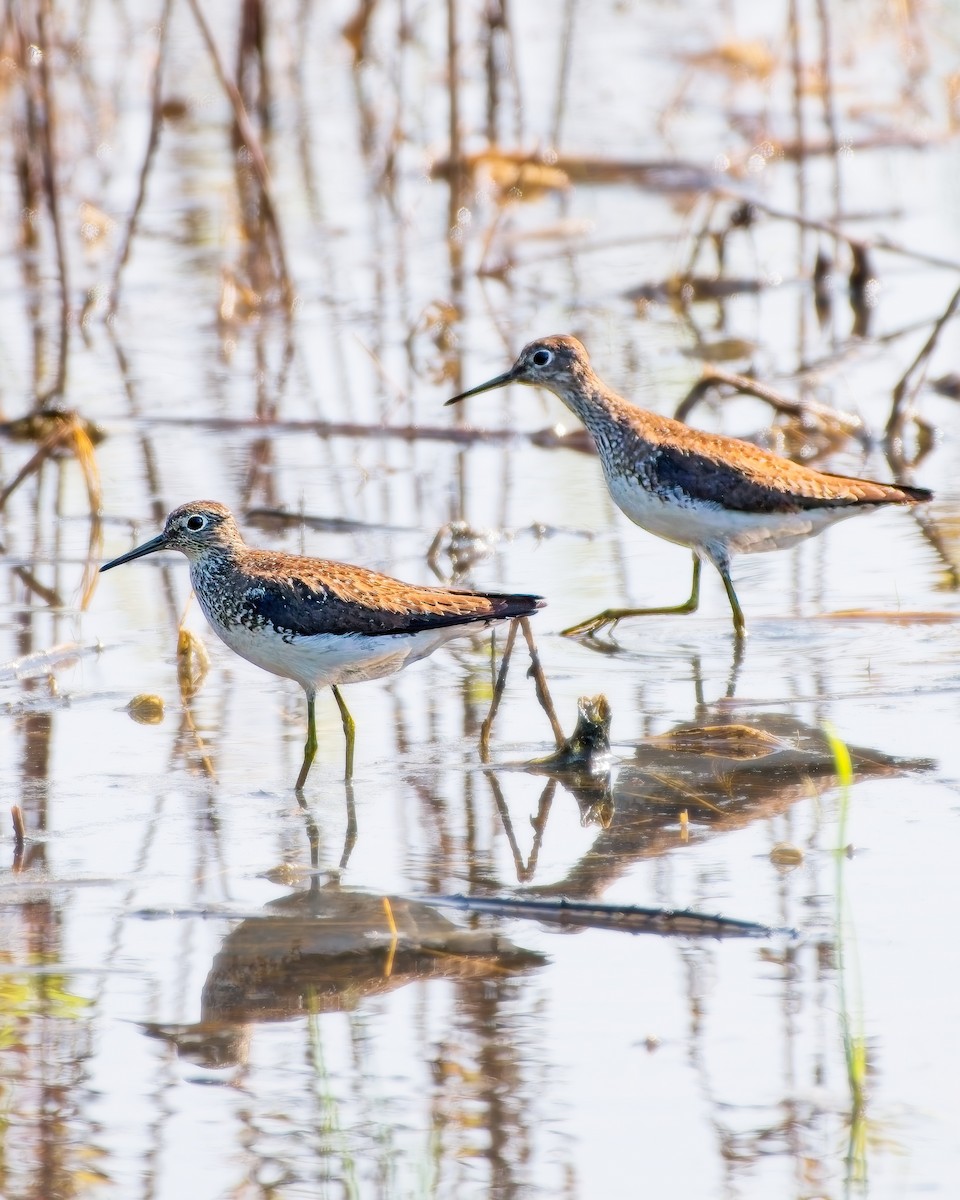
{"x":589,"y":628}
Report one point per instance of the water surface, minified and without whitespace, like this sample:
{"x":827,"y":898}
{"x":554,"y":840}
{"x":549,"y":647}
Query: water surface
{"x":189,"y":1008}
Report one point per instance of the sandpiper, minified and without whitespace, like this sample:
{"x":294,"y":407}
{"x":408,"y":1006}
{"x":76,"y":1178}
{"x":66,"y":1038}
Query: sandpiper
{"x":319,"y":622}
{"x":718,"y":495}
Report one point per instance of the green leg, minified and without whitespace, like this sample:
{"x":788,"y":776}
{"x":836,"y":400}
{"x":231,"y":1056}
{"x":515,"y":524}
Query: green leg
{"x":540,"y":679}
{"x":498,"y":687}
{"x":349,"y":730}
{"x":350,"y":837}
{"x":313,"y":834}
{"x":610,"y":616}
{"x":310,"y":747}
{"x":739,"y":624}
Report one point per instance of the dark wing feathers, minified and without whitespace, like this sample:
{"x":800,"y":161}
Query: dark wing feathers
{"x":762,"y":482}
{"x":339,"y":599}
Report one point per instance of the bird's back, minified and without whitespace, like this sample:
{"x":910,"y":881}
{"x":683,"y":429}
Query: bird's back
{"x":668,"y":456}
{"x":308,"y":596}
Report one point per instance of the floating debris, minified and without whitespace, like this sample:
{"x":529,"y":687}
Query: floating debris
{"x":784,"y":854}
{"x":589,"y":744}
{"x":728,"y":741}
{"x":146,"y":709}
{"x":45,"y":662}
{"x":584,"y":762}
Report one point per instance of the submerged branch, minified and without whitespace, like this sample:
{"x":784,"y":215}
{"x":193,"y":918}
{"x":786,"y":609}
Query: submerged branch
{"x":626,"y":918}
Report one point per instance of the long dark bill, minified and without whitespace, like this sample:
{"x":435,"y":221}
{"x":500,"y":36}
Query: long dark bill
{"x":499,"y":382}
{"x":157,"y":543}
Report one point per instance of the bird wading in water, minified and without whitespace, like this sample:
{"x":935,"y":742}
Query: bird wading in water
{"x":320,"y":622}
{"x":718,"y":495}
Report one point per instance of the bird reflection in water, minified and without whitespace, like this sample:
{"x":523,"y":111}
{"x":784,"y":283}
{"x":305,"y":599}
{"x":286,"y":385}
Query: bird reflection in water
{"x":325,"y":950}
{"x":727,"y":766}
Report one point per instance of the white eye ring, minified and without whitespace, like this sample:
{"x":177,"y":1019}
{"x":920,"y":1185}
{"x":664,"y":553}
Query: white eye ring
{"x":542,"y":358}
{"x":196,"y":522}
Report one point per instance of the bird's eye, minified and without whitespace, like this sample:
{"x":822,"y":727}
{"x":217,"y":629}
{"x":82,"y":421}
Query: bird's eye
{"x":196,"y":522}
{"x":542,"y":358}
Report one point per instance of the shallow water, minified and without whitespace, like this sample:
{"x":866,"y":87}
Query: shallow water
{"x":188,"y":1009}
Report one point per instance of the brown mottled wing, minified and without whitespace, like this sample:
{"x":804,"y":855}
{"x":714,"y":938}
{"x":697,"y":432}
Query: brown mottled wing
{"x":746,"y":478}
{"x":308,"y":596}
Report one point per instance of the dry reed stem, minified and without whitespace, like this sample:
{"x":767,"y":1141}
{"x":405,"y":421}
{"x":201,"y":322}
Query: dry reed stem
{"x":153,"y":141}
{"x":901,"y":399}
{"x":71,"y":433}
{"x":48,"y":155}
{"x":836,"y":231}
{"x":714,"y":376}
{"x":252,"y":143}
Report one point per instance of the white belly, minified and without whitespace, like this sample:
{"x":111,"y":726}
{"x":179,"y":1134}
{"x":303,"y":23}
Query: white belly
{"x":703,"y":525}
{"x":324,"y":659}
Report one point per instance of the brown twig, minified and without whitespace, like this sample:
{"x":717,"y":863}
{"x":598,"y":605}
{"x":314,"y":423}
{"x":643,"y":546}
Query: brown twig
{"x":714,"y":376}
{"x":252,"y":60}
{"x":252,"y":143}
{"x":563,"y":74}
{"x":71,"y":433}
{"x":48,"y":155}
{"x":677,"y":175}
{"x":829,"y":100}
{"x":900,"y":392}
{"x":458,"y":172}
{"x":836,"y":231}
{"x":796,"y":66}
{"x":153,"y":141}
{"x":48,"y":595}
